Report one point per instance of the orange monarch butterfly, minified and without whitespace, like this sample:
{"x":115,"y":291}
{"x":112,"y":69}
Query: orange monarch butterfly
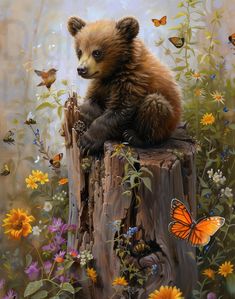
{"x":178,"y":42}
{"x":157,"y":22}
{"x":55,"y":161}
{"x":232,"y":38}
{"x":184,"y":227}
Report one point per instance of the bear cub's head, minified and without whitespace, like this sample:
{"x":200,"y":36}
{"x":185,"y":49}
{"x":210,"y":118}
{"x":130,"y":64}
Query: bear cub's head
{"x":103,"y":46}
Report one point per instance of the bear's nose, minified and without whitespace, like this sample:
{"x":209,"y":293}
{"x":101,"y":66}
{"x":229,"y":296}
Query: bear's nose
{"x":82,"y":70}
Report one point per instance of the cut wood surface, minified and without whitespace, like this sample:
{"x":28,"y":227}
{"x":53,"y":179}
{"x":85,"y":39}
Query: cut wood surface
{"x":97,"y":200}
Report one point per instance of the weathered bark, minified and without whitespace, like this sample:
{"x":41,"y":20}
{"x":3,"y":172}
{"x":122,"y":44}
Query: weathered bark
{"x":97,"y":200}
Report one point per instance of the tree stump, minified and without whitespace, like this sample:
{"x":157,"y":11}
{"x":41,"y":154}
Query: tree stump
{"x":97,"y":200}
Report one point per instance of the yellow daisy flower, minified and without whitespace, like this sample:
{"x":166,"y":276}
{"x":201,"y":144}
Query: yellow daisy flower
{"x":63,"y":181}
{"x":166,"y":292}
{"x":218,"y":97}
{"x":31,"y":182}
{"x":199,"y":92}
{"x":197,"y":76}
{"x":207,"y":119}
{"x":118,"y":148}
{"x":209,"y":273}
{"x":120,"y":281}
{"x":225,"y":269}
{"x":17,"y":224}
{"x":91,"y":273}
{"x":44,"y":179}
{"x":40,"y":176}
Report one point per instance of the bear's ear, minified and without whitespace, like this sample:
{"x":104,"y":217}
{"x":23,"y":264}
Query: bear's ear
{"x":128,"y":27}
{"x":75,"y":24}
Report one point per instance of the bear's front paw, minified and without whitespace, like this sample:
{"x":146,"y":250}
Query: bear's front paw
{"x":89,"y":145}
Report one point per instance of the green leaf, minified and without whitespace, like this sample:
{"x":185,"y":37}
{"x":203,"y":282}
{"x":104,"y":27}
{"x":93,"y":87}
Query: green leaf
{"x":60,"y":111}
{"x":45,"y":105}
{"x":33,"y":287}
{"x":145,"y":169}
{"x":61,"y":92}
{"x":28,"y":260}
{"x":147,"y":182}
{"x":179,"y":68}
{"x":68,"y":265}
{"x":203,"y":183}
{"x":68,"y":288}
{"x":40,"y":295}
{"x":181,"y":14}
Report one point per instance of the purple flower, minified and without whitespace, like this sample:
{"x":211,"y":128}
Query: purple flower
{"x":32,"y":271}
{"x":2,"y":283}
{"x":59,"y":257}
{"x":52,"y":247}
{"x":64,"y":228}
{"x":11,"y":295}
{"x":211,"y":295}
{"x":58,"y":240}
{"x":213,"y":76}
{"x":56,"y":225}
{"x":47,"y":266}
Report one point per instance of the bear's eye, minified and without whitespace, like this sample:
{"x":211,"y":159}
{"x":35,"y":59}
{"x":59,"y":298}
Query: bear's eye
{"x":96,"y":54}
{"x":79,"y":53}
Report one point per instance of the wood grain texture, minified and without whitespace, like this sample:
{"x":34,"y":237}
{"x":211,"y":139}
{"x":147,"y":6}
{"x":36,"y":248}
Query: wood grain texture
{"x":96,"y":200}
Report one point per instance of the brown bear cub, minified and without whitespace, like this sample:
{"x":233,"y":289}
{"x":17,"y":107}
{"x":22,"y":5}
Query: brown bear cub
{"x":132,"y":97}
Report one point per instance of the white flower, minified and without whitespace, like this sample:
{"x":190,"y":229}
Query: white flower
{"x":85,"y":256}
{"x":36,"y":230}
{"x":227,"y":192}
{"x":217,"y":177}
{"x":210,"y":173}
{"x":47,"y":206}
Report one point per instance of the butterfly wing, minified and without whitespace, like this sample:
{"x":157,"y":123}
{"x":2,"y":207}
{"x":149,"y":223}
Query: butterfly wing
{"x":180,"y":227}
{"x":179,"y":230}
{"x":163,"y":20}
{"x":156,"y":22}
{"x":180,"y":213}
{"x":55,"y":161}
{"x":178,"y":42}
{"x":204,"y":229}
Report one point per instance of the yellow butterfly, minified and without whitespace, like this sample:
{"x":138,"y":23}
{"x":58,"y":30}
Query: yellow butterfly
{"x":157,"y":22}
{"x":178,"y":42}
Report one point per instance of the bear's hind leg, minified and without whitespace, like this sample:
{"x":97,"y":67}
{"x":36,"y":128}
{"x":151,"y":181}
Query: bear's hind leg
{"x":155,"y":119}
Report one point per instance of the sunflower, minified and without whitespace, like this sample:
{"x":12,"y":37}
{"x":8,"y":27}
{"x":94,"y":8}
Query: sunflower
{"x":166,"y":292}
{"x":209,"y":273}
{"x":218,"y":97}
{"x":225,"y":269}
{"x":31,"y":182}
{"x":207,"y":119}
{"x":120,"y":281}
{"x":63,"y":181}
{"x":17,"y":224}
{"x":91,"y":273}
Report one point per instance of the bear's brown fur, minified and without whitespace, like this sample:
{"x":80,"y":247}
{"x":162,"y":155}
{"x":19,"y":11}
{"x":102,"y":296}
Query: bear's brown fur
{"x":132,"y":96}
